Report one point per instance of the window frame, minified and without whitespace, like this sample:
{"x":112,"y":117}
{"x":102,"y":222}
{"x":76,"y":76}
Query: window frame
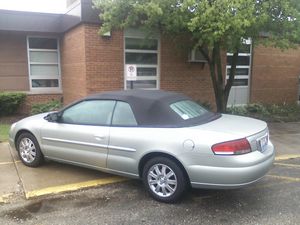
{"x":137,"y":34}
{"x":41,"y":90}
{"x":249,"y":67}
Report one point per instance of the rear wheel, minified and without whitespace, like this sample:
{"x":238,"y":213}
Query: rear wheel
{"x":29,"y":150}
{"x":164,"y":179}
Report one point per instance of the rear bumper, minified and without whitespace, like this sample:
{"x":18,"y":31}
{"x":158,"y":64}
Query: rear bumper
{"x":232,"y":177}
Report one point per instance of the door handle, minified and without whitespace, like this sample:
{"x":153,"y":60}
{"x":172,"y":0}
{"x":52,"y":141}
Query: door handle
{"x":99,"y":137}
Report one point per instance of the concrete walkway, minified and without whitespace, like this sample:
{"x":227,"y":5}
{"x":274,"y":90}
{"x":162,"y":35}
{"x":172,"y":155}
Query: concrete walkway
{"x":286,"y":138}
{"x":19,"y":181}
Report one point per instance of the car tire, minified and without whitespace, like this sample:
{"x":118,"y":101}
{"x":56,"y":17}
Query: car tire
{"x":29,"y":150}
{"x":164,"y":179}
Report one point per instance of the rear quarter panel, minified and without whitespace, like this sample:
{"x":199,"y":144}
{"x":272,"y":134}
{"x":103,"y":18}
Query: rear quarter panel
{"x":128,"y":145}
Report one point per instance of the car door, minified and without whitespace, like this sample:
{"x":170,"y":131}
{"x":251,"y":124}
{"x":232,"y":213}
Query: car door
{"x":122,"y":144}
{"x":81,"y":134}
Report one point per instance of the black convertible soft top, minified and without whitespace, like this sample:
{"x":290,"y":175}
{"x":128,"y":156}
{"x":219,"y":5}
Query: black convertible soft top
{"x":152,"y":107}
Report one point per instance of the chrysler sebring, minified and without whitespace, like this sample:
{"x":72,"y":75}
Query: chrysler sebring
{"x":164,"y":138}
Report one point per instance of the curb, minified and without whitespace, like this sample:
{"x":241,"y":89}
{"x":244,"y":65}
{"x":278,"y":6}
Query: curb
{"x":5,"y":198}
{"x":73,"y":187}
{"x":286,"y":157}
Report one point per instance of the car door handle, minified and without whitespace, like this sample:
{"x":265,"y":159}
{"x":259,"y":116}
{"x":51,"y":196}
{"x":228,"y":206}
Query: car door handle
{"x":99,"y":137}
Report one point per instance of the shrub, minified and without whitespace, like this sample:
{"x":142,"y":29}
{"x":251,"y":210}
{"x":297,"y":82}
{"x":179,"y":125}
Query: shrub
{"x":237,"y":110}
{"x":10,"y":102}
{"x":45,"y":107}
{"x":268,"y":112}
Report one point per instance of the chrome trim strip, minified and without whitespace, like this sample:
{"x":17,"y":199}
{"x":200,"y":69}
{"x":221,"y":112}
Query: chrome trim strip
{"x":122,"y":148}
{"x":122,"y":173}
{"x":75,"y":142}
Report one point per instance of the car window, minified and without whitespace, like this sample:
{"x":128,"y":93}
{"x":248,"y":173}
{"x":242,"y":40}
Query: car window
{"x":123,"y":115}
{"x":91,"y":112}
{"x":187,"y":109}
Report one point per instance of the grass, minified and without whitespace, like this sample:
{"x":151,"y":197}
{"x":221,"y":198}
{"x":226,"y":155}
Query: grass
{"x":4,"y":129}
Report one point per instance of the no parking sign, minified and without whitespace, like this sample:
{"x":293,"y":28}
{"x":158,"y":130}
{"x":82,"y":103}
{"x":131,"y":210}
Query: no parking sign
{"x":131,"y":72}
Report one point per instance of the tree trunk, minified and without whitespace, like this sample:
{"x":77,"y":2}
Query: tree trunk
{"x":221,"y":88}
{"x":232,"y":73}
{"x":216,"y":74}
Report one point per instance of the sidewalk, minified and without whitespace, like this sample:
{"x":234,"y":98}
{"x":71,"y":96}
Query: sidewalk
{"x":9,"y":180}
{"x":17,"y":180}
{"x":286,"y":138}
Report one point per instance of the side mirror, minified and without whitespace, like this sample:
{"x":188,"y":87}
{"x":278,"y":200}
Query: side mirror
{"x":52,"y":117}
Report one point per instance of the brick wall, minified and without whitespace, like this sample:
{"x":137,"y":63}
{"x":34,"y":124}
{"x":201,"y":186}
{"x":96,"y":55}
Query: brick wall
{"x":73,"y":64}
{"x":34,"y":98}
{"x":275,"y":75}
{"x":13,"y":62}
{"x":104,"y":60}
{"x":105,"y":66}
{"x":91,"y":63}
{"x":179,"y":75}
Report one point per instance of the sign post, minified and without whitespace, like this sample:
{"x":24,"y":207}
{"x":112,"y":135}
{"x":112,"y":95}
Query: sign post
{"x":131,"y":74}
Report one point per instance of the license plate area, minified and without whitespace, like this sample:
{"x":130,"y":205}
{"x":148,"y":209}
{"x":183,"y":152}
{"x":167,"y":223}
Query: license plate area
{"x":263,"y":143}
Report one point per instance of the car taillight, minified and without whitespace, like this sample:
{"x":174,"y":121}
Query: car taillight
{"x":236,"y":147}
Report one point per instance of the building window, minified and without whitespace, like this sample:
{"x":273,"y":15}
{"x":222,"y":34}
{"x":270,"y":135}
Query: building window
{"x":144,"y":53}
{"x":43,"y":64}
{"x":243,"y":64}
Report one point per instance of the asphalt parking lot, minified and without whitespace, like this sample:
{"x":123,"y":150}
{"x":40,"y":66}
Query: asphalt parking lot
{"x":38,"y":196}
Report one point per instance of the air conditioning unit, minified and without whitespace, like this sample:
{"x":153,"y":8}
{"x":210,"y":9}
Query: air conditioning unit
{"x":196,"y":56}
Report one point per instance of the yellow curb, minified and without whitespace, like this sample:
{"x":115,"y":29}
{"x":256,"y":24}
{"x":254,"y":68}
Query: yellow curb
{"x":73,"y":187}
{"x":292,"y":179}
{"x":288,"y":165}
{"x":4,"y":198}
{"x":286,"y":157}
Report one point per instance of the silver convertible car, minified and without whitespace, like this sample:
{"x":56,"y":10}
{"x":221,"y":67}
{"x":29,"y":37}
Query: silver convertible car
{"x":164,"y":138}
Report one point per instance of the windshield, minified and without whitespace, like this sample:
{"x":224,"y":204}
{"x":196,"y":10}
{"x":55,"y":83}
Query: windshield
{"x":188,"y":109}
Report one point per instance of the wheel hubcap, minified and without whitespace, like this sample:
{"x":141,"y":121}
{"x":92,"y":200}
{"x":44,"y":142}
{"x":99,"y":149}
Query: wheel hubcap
{"x":162,"y":180}
{"x":27,"y":150}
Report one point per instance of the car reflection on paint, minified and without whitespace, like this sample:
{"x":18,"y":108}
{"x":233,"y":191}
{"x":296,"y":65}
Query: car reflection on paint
{"x":164,"y":138}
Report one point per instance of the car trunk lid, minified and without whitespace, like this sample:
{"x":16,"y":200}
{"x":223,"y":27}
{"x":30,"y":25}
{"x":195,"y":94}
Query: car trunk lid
{"x":235,"y":125}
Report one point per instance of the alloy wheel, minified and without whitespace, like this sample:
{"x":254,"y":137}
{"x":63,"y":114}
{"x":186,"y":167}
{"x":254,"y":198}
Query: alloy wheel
{"x":27,"y":150}
{"x":162,"y":180}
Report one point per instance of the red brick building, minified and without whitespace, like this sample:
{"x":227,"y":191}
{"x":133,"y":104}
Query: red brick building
{"x":62,"y":56}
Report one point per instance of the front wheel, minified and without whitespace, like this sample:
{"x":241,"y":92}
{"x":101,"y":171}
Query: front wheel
{"x":164,"y":179}
{"x":29,"y":150}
